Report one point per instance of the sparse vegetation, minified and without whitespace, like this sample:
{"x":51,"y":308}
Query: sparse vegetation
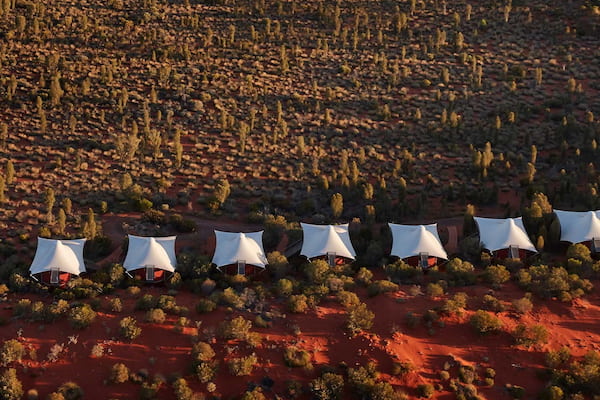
{"x":158,"y":118}
{"x":128,"y":328}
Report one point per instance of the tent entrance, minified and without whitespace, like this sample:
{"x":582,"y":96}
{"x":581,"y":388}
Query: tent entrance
{"x":596,"y":245}
{"x":513,"y":252}
{"x":150,"y":273}
{"x":331,"y":258}
{"x":54,"y":276}
{"x":241,"y":267}
{"x":424,"y":260}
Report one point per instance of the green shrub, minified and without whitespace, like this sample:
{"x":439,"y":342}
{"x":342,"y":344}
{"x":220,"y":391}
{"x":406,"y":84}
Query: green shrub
{"x":385,"y":391}
{"x":202,"y":351}
{"x":402,"y":368}
{"x":426,"y":390}
{"x":362,"y":379}
{"x":230,"y":298}
{"x":278,"y":264}
{"x":547,"y":282}
{"x":579,"y":252}
{"x":456,"y":304}
{"x":558,"y":358}
{"x":206,"y":370}
{"x":460,"y":272}
{"x":522,"y":305}
{"x":327,"y":387}
{"x":347,"y":299}
{"x":359,"y":318}
{"x":12,"y":350}
{"x":115,"y":305}
{"x":167,"y":303}
{"x":156,"y":316}
{"x":145,"y":303}
{"x":466,"y":374}
{"x":10,"y":386}
{"x":434,"y":290}
{"x":57,"y":310}
{"x":295,"y":357}
{"x":484,"y":322}
{"x":242,"y":366}
{"x":285,"y":287}
{"x":128,"y":328}
{"x":581,"y":376}
{"x":182,"y":390}
{"x":382,"y":286}
{"x":71,"y":391}
{"x":317,"y":271}
{"x":206,"y":306}
{"x":444,"y":375}
{"x":401,"y":272}
{"x":254,"y":394}
{"x":491,"y":303}
{"x":119,"y":373}
{"x":530,"y":335}
{"x":298,"y":303}
{"x":82,"y":317}
{"x":496,"y":274}
{"x":363,"y":276}
{"x":553,"y":393}
{"x":237,"y":328}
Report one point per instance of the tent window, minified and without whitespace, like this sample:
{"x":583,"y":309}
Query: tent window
{"x":596,"y":245}
{"x":513,"y":251}
{"x":241,"y":267}
{"x":331,"y":258}
{"x":54,"y":275}
{"x":149,"y":273}
{"x":424,"y":260}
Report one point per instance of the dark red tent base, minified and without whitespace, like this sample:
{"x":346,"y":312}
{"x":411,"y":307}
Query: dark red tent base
{"x":232,"y":269}
{"x":63,"y":278}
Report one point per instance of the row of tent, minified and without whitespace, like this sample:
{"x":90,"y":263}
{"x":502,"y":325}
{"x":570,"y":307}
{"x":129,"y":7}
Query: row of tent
{"x":151,"y":258}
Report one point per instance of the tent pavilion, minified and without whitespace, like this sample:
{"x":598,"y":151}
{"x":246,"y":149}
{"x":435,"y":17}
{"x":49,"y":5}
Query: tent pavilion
{"x":580,"y":227}
{"x":504,"y":237}
{"x":417,"y":244}
{"x":239,"y":253}
{"x":150,"y":258}
{"x":330,"y":241}
{"x":56,"y":261}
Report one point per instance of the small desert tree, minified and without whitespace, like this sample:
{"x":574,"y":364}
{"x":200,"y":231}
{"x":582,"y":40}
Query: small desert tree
{"x":10,"y":386}
{"x":337,"y":205}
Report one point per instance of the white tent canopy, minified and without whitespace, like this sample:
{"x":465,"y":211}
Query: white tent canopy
{"x":577,"y":227}
{"x":497,"y":234}
{"x":156,"y":252}
{"x":234,"y":247}
{"x":319,"y":240}
{"x":413,"y":240}
{"x":64,"y":255}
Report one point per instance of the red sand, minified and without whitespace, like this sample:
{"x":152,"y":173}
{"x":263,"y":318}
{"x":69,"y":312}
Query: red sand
{"x":163,"y":351}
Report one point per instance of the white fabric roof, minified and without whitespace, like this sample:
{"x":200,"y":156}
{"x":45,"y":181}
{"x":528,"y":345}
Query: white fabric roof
{"x":232,"y":247}
{"x":157,"y":252}
{"x":66,"y":255}
{"x":322,"y":239}
{"x":411,"y":240}
{"x":496,"y":234}
{"x":577,"y":227}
